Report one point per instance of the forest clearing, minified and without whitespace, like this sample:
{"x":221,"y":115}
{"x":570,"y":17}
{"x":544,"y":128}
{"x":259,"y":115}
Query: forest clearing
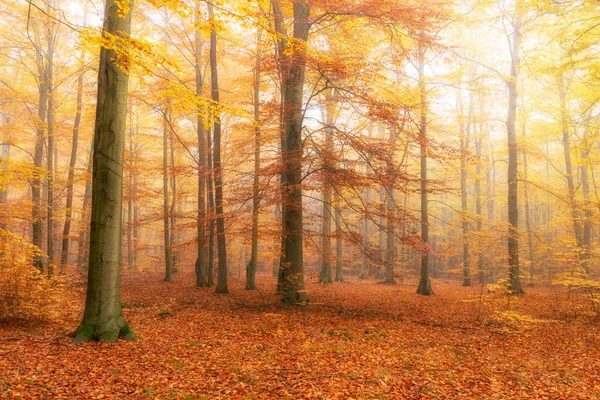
{"x":358,"y":339}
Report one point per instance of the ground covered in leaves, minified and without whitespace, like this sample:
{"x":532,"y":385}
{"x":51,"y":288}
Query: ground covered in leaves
{"x":357,"y":339}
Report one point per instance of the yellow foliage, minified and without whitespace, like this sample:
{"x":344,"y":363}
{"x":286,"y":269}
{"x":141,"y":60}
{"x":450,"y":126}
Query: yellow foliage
{"x":24,"y":293}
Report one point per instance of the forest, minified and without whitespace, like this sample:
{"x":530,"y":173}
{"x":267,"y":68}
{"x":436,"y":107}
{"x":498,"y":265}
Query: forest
{"x":318,"y":199}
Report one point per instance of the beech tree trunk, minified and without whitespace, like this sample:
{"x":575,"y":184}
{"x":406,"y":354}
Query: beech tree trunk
{"x":292,"y":274}
{"x":325,"y":275}
{"x":465,"y":138}
{"x":424,"y":283}
{"x":221,"y":243}
{"x":575,"y":213}
{"x":201,"y":261}
{"x":103,"y":315}
{"x":514,"y":280}
{"x":339,"y":242}
{"x":253,"y":264}
{"x":166,"y":232}
{"x":50,"y":38}
{"x":64,"y":255}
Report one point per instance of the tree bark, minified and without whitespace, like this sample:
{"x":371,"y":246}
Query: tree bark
{"x":64,"y":255}
{"x":221,"y":243}
{"x":575,"y":213}
{"x":253,"y":264}
{"x":339,"y":242}
{"x":293,"y":290}
{"x":201,"y":261}
{"x":424,"y":283}
{"x":166,"y":231}
{"x":50,"y":38}
{"x":84,"y":234}
{"x":465,"y":139}
{"x":103,"y":315}
{"x":325,"y":275}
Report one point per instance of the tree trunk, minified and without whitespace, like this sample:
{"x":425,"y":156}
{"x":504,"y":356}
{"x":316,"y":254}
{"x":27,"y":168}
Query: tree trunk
{"x":585,"y":185}
{"x":253,"y":264}
{"x":50,"y":37}
{"x":339,"y":243}
{"x":211,"y":206}
{"x":36,"y":182}
{"x":221,"y":243}
{"x":575,"y":213}
{"x":84,"y":234}
{"x":4,"y":156}
{"x":166,"y":232}
{"x":478,"y":204}
{"x":103,"y":315}
{"x":465,"y":138}
{"x":424,"y":283}
{"x":174,"y":200}
{"x":293,"y":285}
{"x":514,"y":280}
{"x":328,"y":169}
{"x":528,"y":215}
{"x":64,"y":255}
{"x":200,"y":267}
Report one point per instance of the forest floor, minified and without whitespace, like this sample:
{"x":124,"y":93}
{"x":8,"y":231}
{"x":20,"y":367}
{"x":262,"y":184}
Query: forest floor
{"x":357,"y":339}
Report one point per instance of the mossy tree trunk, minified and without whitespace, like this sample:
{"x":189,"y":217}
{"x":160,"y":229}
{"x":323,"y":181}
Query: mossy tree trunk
{"x":103,"y":315}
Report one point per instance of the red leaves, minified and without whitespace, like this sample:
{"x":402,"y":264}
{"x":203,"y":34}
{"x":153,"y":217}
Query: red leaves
{"x":355,"y":340}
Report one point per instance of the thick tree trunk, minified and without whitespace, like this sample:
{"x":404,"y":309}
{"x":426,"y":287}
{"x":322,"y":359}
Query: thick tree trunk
{"x":221,"y":242}
{"x":64,"y":255}
{"x":201,"y":261}
{"x":130,"y":256}
{"x":293,"y":85}
{"x":514,"y":280}
{"x":424,"y":283}
{"x":103,"y":315}
{"x":381,"y":268}
{"x":253,"y":264}
{"x":166,"y":229}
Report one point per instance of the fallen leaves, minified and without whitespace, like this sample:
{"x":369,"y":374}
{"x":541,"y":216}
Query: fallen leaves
{"x":357,"y":340}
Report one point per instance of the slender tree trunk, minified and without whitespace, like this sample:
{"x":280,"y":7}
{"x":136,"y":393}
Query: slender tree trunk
{"x":575,"y":213}
{"x":103,"y":315}
{"x":50,"y":38}
{"x":364,"y":268}
{"x":211,"y":206}
{"x":514,"y":280}
{"x":478,"y":203}
{"x":173,"y":239}
{"x":64,"y":256}
{"x":326,"y":276}
{"x":585,"y":185}
{"x":339,"y":242}
{"x":424,"y":284}
{"x":36,"y":183}
{"x":390,"y":248}
{"x":382,"y":221}
{"x":4,"y":156}
{"x":253,"y":264}
{"x":528,"y":215}
{"x":166,"y":232}
{"x":200,"y":267}
{"x":465,"y":138}
{"x":221,"y":243}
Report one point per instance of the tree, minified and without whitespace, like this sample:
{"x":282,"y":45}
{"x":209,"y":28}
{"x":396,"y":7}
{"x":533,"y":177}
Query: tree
{"x":103,"y":315}
{"x":424,"y":283}
{"x":514,"y":280}
{"x":214,"y":79}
